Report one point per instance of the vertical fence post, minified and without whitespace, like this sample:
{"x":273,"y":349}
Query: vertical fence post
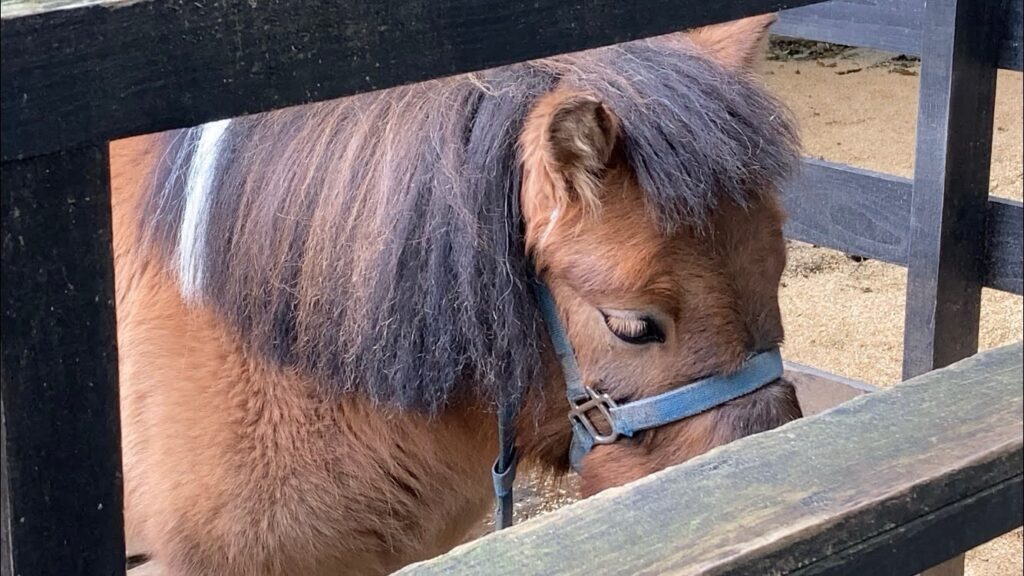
{"x":61,"y":428}
{"x":951,"y":174}
{"x":951,"y":179}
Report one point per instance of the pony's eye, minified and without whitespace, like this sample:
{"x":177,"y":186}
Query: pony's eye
{"x":639,"y":330}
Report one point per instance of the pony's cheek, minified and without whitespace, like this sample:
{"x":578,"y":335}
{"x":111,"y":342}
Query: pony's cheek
{"x":625,"y":461}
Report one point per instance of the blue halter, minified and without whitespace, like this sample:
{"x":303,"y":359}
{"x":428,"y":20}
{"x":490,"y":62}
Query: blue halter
{"x":625,"y":419}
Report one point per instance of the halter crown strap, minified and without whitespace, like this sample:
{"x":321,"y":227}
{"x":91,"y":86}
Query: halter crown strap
{"x":503,"y":472}
{"x":575,"y":390}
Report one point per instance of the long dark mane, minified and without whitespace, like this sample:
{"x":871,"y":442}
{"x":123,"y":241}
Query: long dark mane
{"x":375,"y":243}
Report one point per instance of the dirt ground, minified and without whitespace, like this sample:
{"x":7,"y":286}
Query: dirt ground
{"x":859,"y":107}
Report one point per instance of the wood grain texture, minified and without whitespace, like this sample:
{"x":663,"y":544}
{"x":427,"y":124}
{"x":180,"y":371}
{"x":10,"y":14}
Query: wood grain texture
{"x":97,"y":73}
{"x":940,"y":534}
{"x":1004,"y":245}
{"x":948,"y":209}
{"x":58,"y":367}
{"x":890,"y":25}
{"x":868,"y":477}
{"x":867,"y":213}
{"x":850,"y":209}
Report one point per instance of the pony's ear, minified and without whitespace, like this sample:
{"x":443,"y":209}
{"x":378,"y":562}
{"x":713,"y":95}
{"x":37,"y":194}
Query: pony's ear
{"x":735,"y":44}
{"x":568,"y":143}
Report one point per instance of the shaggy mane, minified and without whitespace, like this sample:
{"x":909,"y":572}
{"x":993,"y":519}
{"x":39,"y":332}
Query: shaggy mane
{"x":375,"y":243}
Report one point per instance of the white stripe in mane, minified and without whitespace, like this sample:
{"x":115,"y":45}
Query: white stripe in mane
{"x":192,"y":233}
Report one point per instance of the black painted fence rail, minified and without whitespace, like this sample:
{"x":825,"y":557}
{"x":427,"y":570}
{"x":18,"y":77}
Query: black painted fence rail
{"x":103,"y":71}
{"x":149,"y":66}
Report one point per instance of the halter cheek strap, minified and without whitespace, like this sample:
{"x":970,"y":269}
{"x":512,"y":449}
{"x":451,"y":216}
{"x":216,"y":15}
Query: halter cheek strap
{"x":625,"y":419}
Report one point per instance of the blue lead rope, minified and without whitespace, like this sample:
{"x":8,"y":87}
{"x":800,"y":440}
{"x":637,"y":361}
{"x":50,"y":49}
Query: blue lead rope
{"x":626,"y":419}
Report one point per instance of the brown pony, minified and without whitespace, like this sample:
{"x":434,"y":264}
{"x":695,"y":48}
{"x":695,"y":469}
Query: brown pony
{"x":320,"y":308}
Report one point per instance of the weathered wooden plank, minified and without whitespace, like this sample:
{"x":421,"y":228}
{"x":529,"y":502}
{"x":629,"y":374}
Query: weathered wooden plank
{"x":891,"y":25}
{"x":1004,"y":245}
{"x":58,"y":367}
{"x":958,"y":527}
{"x":870,"y":476}
{"x":866,"y":213}
{"x":97,"y":73}
{"x":1011,"y":50}
{"x":850,"y":209}
{"x":951,"y":178}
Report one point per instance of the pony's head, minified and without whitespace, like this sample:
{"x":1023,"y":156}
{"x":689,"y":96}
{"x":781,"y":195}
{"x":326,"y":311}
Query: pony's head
{"x":662,"y":244}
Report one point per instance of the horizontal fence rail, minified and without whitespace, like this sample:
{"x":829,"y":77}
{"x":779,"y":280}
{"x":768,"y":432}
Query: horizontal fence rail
{"x":1004,"y":266}
{"x":867,"y":213}
{"x":102,"y":70}
{"x":891,"y":25}
{"x":889,"y":483}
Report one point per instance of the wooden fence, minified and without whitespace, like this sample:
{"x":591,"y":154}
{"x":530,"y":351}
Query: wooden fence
{"x":79,"y":73}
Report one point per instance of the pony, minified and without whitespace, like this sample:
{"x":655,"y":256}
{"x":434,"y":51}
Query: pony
{"x":321,"y":309}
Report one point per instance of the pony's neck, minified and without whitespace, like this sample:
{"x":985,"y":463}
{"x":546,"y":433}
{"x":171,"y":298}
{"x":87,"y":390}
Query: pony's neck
{"x":543,"y":431}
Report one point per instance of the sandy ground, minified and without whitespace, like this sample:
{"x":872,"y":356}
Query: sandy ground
{"x":860,"y":107}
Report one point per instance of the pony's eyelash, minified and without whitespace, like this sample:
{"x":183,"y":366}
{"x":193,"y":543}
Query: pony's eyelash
{"x":634,"y":330}
{"x":632,"y":327}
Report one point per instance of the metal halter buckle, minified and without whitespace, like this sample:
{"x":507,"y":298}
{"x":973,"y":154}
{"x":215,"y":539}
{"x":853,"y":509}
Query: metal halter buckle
{"x":603,"y":403}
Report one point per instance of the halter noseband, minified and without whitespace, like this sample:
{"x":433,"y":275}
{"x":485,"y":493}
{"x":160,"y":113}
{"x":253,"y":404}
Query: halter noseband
{"x":625,"y":419}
